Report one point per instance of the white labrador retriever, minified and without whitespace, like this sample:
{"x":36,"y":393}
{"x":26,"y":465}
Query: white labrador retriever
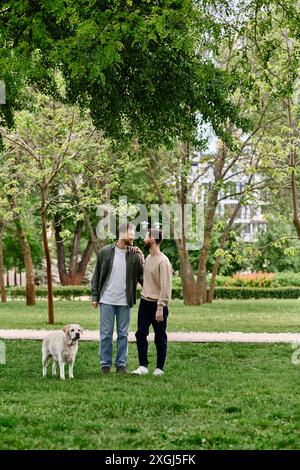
{"x":62,"y":347}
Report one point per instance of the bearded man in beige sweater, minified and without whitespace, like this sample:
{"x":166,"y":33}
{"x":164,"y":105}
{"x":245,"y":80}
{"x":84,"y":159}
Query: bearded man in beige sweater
{"x":153,"y":308}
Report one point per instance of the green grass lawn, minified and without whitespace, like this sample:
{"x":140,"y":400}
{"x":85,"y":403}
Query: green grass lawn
{"x":261,"y":315}
{"x":212,"y":396}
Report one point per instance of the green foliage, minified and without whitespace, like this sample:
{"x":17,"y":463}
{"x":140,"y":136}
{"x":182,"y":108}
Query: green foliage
{"x":277,"y":248}
{"x":287,"y":279}
{"x":12,"y":250}
{"x":232,"y":259}
{"x":142,"y":68}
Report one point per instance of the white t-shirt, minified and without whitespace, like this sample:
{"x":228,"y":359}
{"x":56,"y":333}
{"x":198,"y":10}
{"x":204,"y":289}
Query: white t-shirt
{"x":115,"y":291}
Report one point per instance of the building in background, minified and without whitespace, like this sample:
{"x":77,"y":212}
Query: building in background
{"x":250,"y":217}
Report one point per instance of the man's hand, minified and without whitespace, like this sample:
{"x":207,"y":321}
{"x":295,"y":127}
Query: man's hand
{"x":95,"y":304}
{"x":159,"y":316}
{"x":136,"y":249}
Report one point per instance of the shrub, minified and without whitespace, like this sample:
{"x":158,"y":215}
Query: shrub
{"x":253,"y":279}
{"x":261,"y":279}
{"x":257,"y":293}
{"x":287,"y":279}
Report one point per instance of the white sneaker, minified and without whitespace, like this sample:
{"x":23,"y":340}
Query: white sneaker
{"x":158,"y":372}
{"x":140,"y":371}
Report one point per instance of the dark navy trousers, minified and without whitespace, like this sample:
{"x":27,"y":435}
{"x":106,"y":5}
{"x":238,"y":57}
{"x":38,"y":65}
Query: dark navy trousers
{"x":146,"y":317}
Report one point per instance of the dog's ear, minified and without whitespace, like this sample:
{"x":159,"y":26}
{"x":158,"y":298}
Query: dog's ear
{"x":81,"y":330}
{"x":66,"y":328}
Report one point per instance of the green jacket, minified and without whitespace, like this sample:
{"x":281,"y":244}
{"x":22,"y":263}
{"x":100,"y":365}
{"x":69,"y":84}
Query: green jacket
{"x":134,"y":273}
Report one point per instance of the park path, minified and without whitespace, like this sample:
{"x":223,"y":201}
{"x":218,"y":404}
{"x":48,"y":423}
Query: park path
{"x":180,"y":337}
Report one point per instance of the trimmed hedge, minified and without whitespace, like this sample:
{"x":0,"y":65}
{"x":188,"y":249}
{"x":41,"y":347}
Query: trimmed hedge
{"x":59,"y":292}
{"x":69,"y":292}
{"x":73,"y":292}
{"x":257,"y":293}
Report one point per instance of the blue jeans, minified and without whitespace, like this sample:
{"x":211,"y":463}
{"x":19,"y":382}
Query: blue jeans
{"x":107,"y":321}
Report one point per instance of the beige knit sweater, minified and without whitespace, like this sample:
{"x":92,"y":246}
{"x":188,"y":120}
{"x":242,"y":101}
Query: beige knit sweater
{"x":157,"y":285}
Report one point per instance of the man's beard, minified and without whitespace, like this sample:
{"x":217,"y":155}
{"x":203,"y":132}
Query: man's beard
{"x":127,"y":242}
{"x":147,"y":245}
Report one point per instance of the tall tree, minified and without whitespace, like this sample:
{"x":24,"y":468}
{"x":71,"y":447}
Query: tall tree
{"x":46,"y":152}
{"x":67,"y":167}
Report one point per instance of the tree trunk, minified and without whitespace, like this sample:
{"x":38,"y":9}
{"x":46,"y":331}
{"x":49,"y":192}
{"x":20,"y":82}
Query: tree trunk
{"x":212,"y":284}
{"x":2,"y":283}
{"x":189,"y":286}
{"x":218,"y":260}
{"x":26,"y":250}
{"x":293,"y":164}
{"x":74,"y":252}
{"x":201,"y":275}
{"x":60,"y":251}
{"x":75,"y":277}
{"x":81,"y":270}
{"x":212,"y":205}
{"x":30,"y":287}
{"x":48,"y":260}
{"x":76,"y":271}
{"x":97,"y":244}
